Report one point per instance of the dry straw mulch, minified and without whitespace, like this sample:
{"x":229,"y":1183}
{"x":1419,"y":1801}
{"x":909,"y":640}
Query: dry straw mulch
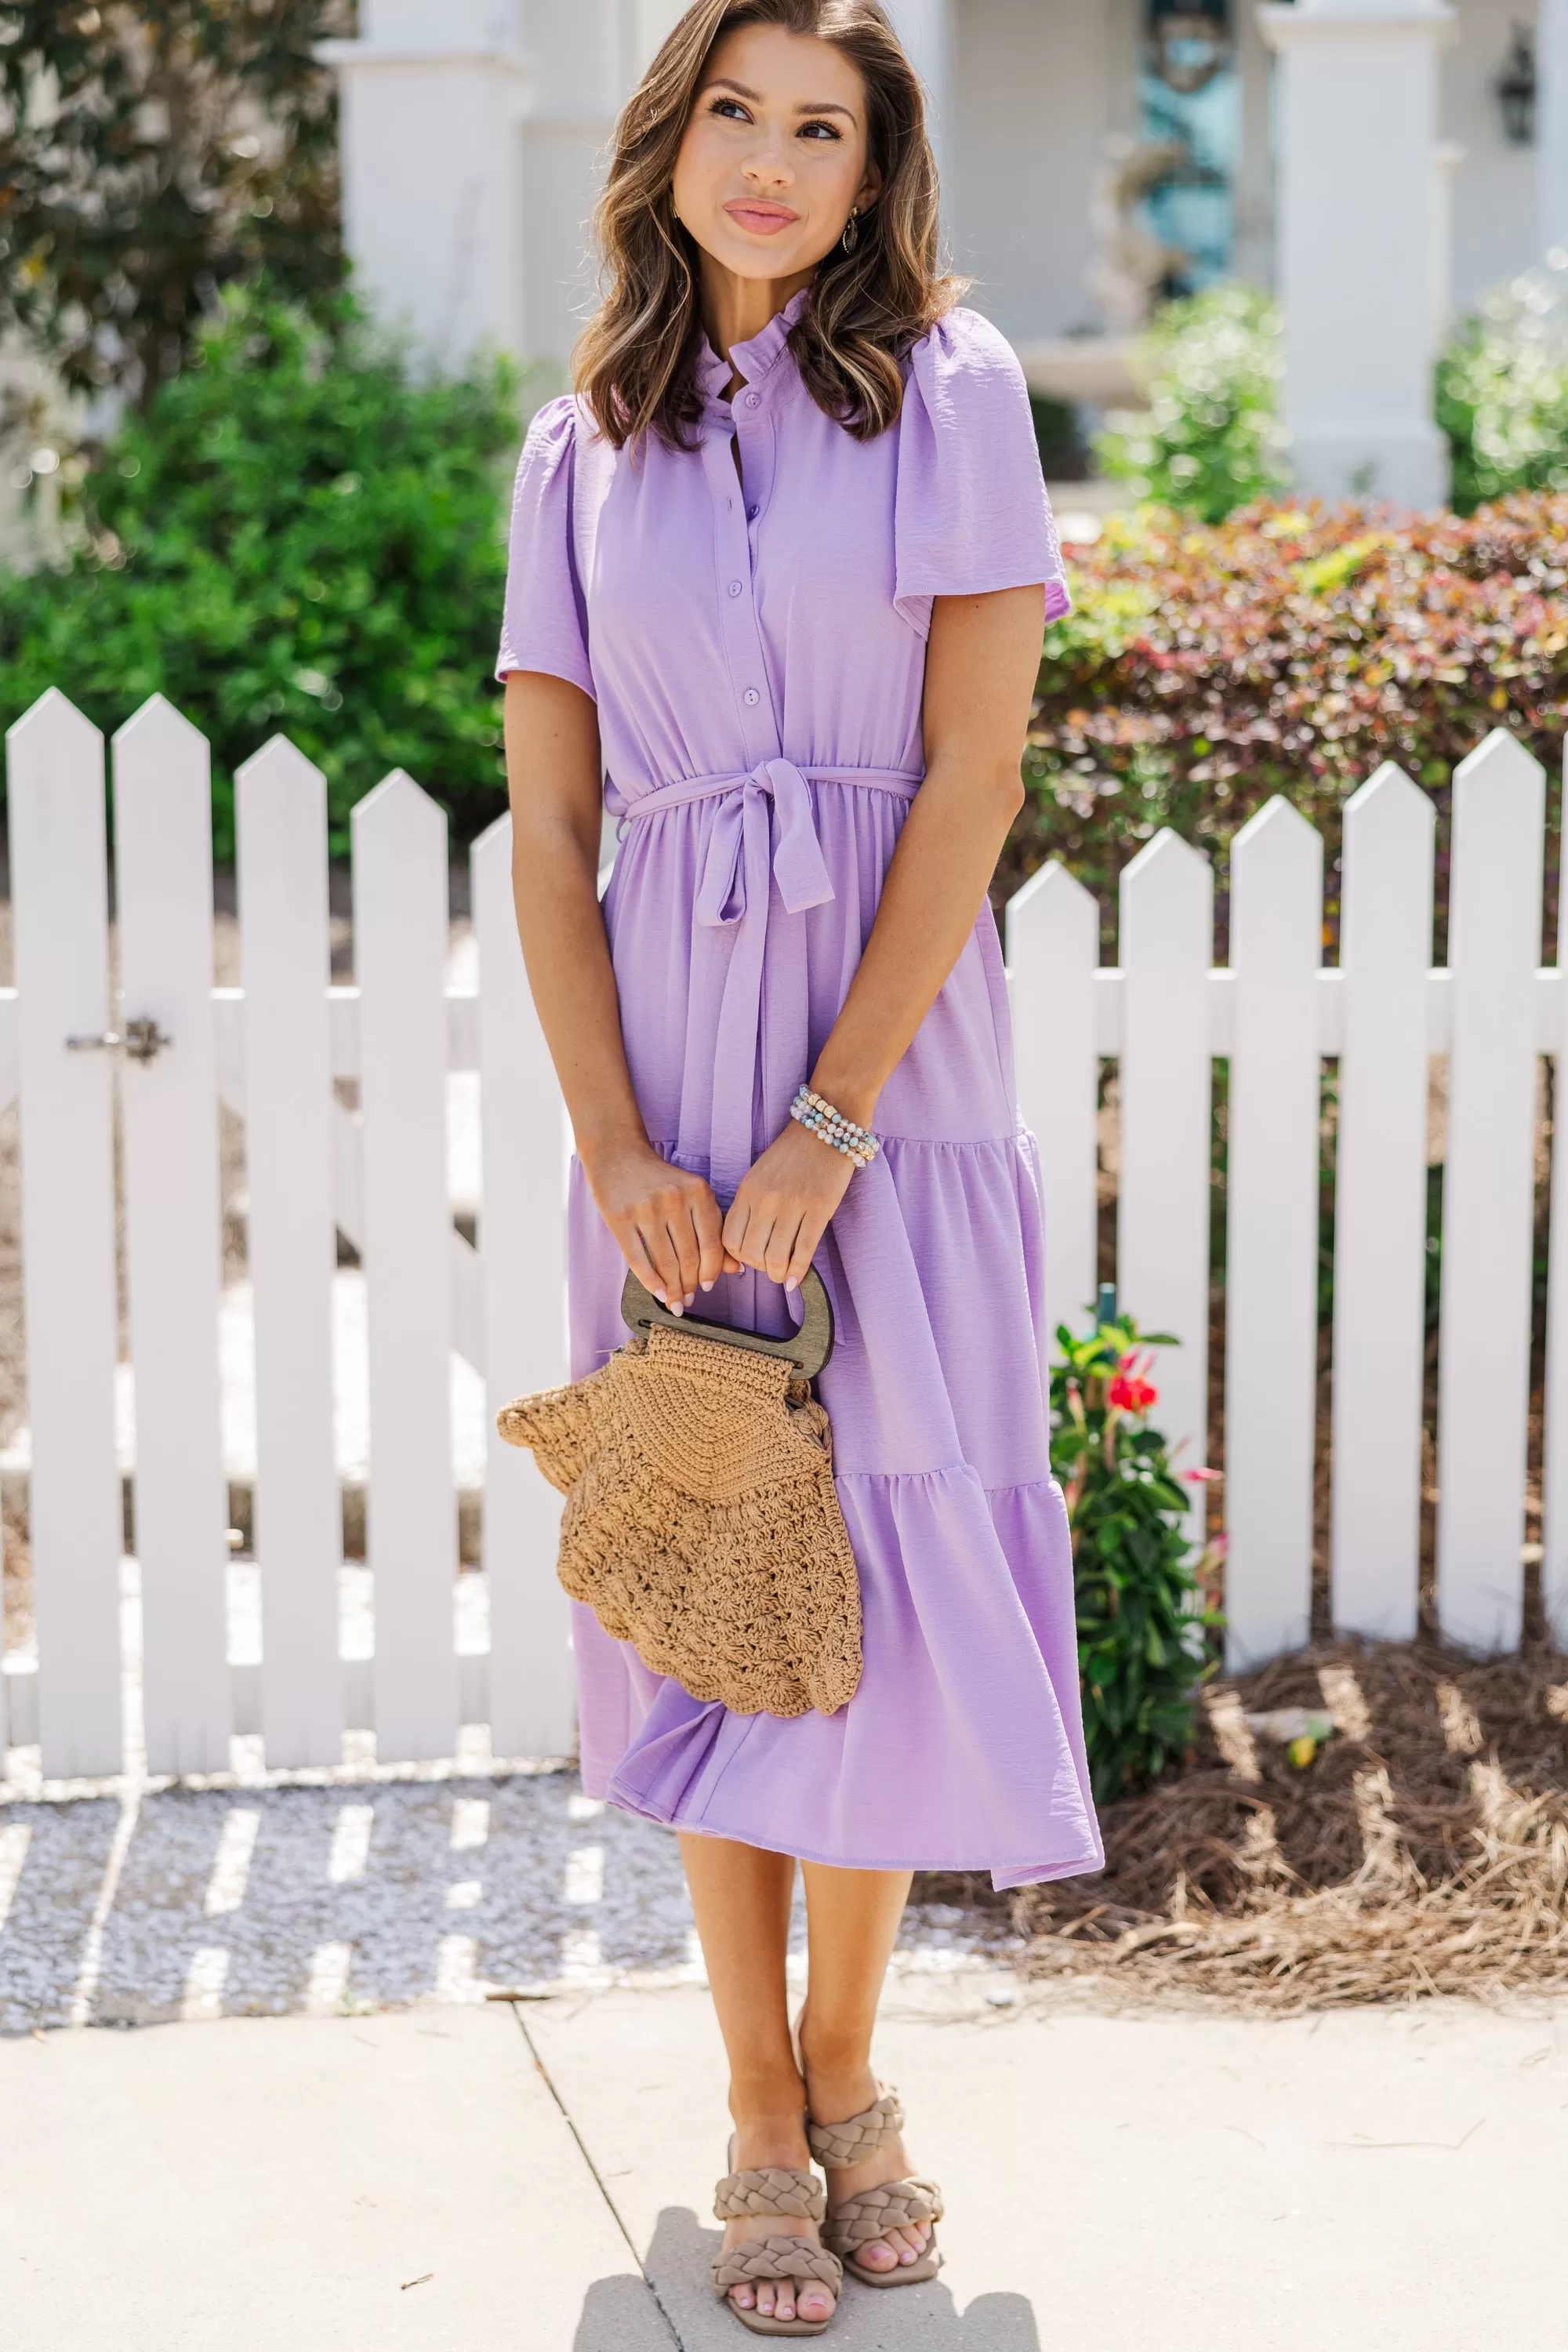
{"x":1424,"y":1851}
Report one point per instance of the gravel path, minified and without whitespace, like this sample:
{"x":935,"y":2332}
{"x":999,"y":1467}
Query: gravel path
{"x":258,"y":1900}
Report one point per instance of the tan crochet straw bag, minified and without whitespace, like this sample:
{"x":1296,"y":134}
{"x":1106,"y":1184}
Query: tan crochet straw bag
{"x":701,"y":1522}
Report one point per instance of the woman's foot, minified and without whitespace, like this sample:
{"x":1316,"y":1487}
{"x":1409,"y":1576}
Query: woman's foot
{"x":833,"y":2096}
{"x":757,"y":2147}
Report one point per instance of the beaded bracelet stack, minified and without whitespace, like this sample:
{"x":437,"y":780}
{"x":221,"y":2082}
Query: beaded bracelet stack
{"x":820,"y":1119}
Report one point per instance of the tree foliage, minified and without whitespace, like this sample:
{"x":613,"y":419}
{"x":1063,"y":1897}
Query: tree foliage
{"x":1142,"y":1620}
{"x":150,"y":156}
{"x":294,"y":538}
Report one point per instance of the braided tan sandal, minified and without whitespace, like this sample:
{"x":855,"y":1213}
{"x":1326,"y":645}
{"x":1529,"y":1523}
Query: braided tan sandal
{"x":897,"y":2204}
{"x":774,"y":2190}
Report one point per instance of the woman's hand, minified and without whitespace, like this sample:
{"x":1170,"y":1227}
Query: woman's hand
{"x":784,"y":1204}
{"x":664,"y":1218}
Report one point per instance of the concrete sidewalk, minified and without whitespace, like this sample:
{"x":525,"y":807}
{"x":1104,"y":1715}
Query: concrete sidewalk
{"x":476,"y":2179}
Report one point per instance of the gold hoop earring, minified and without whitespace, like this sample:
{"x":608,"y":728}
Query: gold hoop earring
{"x":851,"y":236}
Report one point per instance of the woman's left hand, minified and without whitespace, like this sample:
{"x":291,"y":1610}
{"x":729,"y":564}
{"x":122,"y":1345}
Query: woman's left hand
{"x":784,"y":1202}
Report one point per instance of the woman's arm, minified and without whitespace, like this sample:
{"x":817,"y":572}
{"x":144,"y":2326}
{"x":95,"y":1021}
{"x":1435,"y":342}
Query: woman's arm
{"x":980,"y":666}
{"x":664,"y":1220}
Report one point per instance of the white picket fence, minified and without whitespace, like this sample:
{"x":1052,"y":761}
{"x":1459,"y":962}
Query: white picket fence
{"x":271,"y":1049}
{"x":1274,"y":1013}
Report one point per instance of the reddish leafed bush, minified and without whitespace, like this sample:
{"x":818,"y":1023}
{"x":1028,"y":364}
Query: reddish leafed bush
{"x":1291,"y":649}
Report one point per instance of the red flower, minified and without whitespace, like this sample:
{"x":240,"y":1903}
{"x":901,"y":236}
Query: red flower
{"x":1133,"y":1396}
{"x":1198,"y":1476}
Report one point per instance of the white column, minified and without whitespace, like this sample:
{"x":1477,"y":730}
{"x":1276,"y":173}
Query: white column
{"x":1551,"y":124}
{"x":925,"y":28}
{"x":654,"y":21}
{"x":587,"y":56}
{"x":433,"y":95}
{"x":1357,"y":243}
{"x":1447,"y":155}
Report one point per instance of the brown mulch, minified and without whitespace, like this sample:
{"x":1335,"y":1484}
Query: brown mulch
{"x":1425,"y":1850}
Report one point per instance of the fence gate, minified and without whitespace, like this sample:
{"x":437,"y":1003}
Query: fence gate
{"x":174,"y":1047}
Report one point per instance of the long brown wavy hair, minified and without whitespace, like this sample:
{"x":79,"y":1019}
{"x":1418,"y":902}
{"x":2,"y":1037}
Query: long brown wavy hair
{"x":635,"y":363}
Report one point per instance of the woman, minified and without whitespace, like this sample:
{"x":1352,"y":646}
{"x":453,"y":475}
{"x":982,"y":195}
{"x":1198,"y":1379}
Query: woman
{"x":783,"y":558}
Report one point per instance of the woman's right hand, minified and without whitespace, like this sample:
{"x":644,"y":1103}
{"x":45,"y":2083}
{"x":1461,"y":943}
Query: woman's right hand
{"x":666,"y":1221}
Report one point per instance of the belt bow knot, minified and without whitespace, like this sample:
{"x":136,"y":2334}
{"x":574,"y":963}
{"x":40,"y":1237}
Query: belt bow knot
{"x":765,"y":821}
{"x":764,"y":831}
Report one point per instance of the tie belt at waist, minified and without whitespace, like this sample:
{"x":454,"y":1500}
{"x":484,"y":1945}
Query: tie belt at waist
{"x":763,"y":831}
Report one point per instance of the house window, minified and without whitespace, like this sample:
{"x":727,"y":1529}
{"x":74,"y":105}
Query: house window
{"x":1190,"y":97}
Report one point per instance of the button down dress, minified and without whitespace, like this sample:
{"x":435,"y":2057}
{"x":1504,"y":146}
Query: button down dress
{"x":755,"y":641}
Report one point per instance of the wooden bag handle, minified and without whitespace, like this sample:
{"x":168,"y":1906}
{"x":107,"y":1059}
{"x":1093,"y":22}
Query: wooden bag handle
{"x":807,"y":1349}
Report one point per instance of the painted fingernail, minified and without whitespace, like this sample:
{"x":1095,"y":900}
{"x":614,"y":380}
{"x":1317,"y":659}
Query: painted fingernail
{"x":792,"y":1284}
{"x":661,"y":1298}
{"x":676,"y":1306}
{"x":691,"y":1299}
{"x":708,"y":1285}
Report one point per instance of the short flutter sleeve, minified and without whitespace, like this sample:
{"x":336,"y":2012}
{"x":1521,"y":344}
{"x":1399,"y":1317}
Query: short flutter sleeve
{"x":545,"y":625}
{"x":972,"y":514}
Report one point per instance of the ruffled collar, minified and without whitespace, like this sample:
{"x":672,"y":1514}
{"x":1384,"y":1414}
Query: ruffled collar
{"x":750,"y":361}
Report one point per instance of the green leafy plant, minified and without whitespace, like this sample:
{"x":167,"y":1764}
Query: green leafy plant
{"x":1503,"y":389}
{"x":1210,"y":440}
{"x":296,"y":536}
{"x":1142,"y":1618}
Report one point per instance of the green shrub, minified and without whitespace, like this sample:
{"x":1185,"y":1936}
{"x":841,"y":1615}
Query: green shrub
{"x":1502,"y":390}
{"x":1141,"y":1621}
{"x":1211,"y":439}
{"x":1289,"y":650}
{"x":295,"y":538}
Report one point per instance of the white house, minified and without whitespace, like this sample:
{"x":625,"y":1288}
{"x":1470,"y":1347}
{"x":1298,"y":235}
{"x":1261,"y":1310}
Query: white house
{"x":1381,"y":162}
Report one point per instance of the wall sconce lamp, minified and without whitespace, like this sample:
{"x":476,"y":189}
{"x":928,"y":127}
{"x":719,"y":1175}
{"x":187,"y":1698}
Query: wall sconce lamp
{"x":1516,"y":89}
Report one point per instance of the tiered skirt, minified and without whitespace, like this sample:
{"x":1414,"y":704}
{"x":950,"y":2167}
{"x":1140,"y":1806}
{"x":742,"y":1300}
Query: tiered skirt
{"x":963,"y":1747}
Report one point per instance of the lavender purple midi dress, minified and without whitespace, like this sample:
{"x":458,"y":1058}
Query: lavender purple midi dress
{"x":755,"y":641}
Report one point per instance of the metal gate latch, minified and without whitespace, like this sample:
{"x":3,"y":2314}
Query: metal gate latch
{"x":141,"y":1041}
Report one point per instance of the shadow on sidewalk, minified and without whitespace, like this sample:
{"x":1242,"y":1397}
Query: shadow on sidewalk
{"x":919,"y":2319}
{"x":619,"y":2314}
